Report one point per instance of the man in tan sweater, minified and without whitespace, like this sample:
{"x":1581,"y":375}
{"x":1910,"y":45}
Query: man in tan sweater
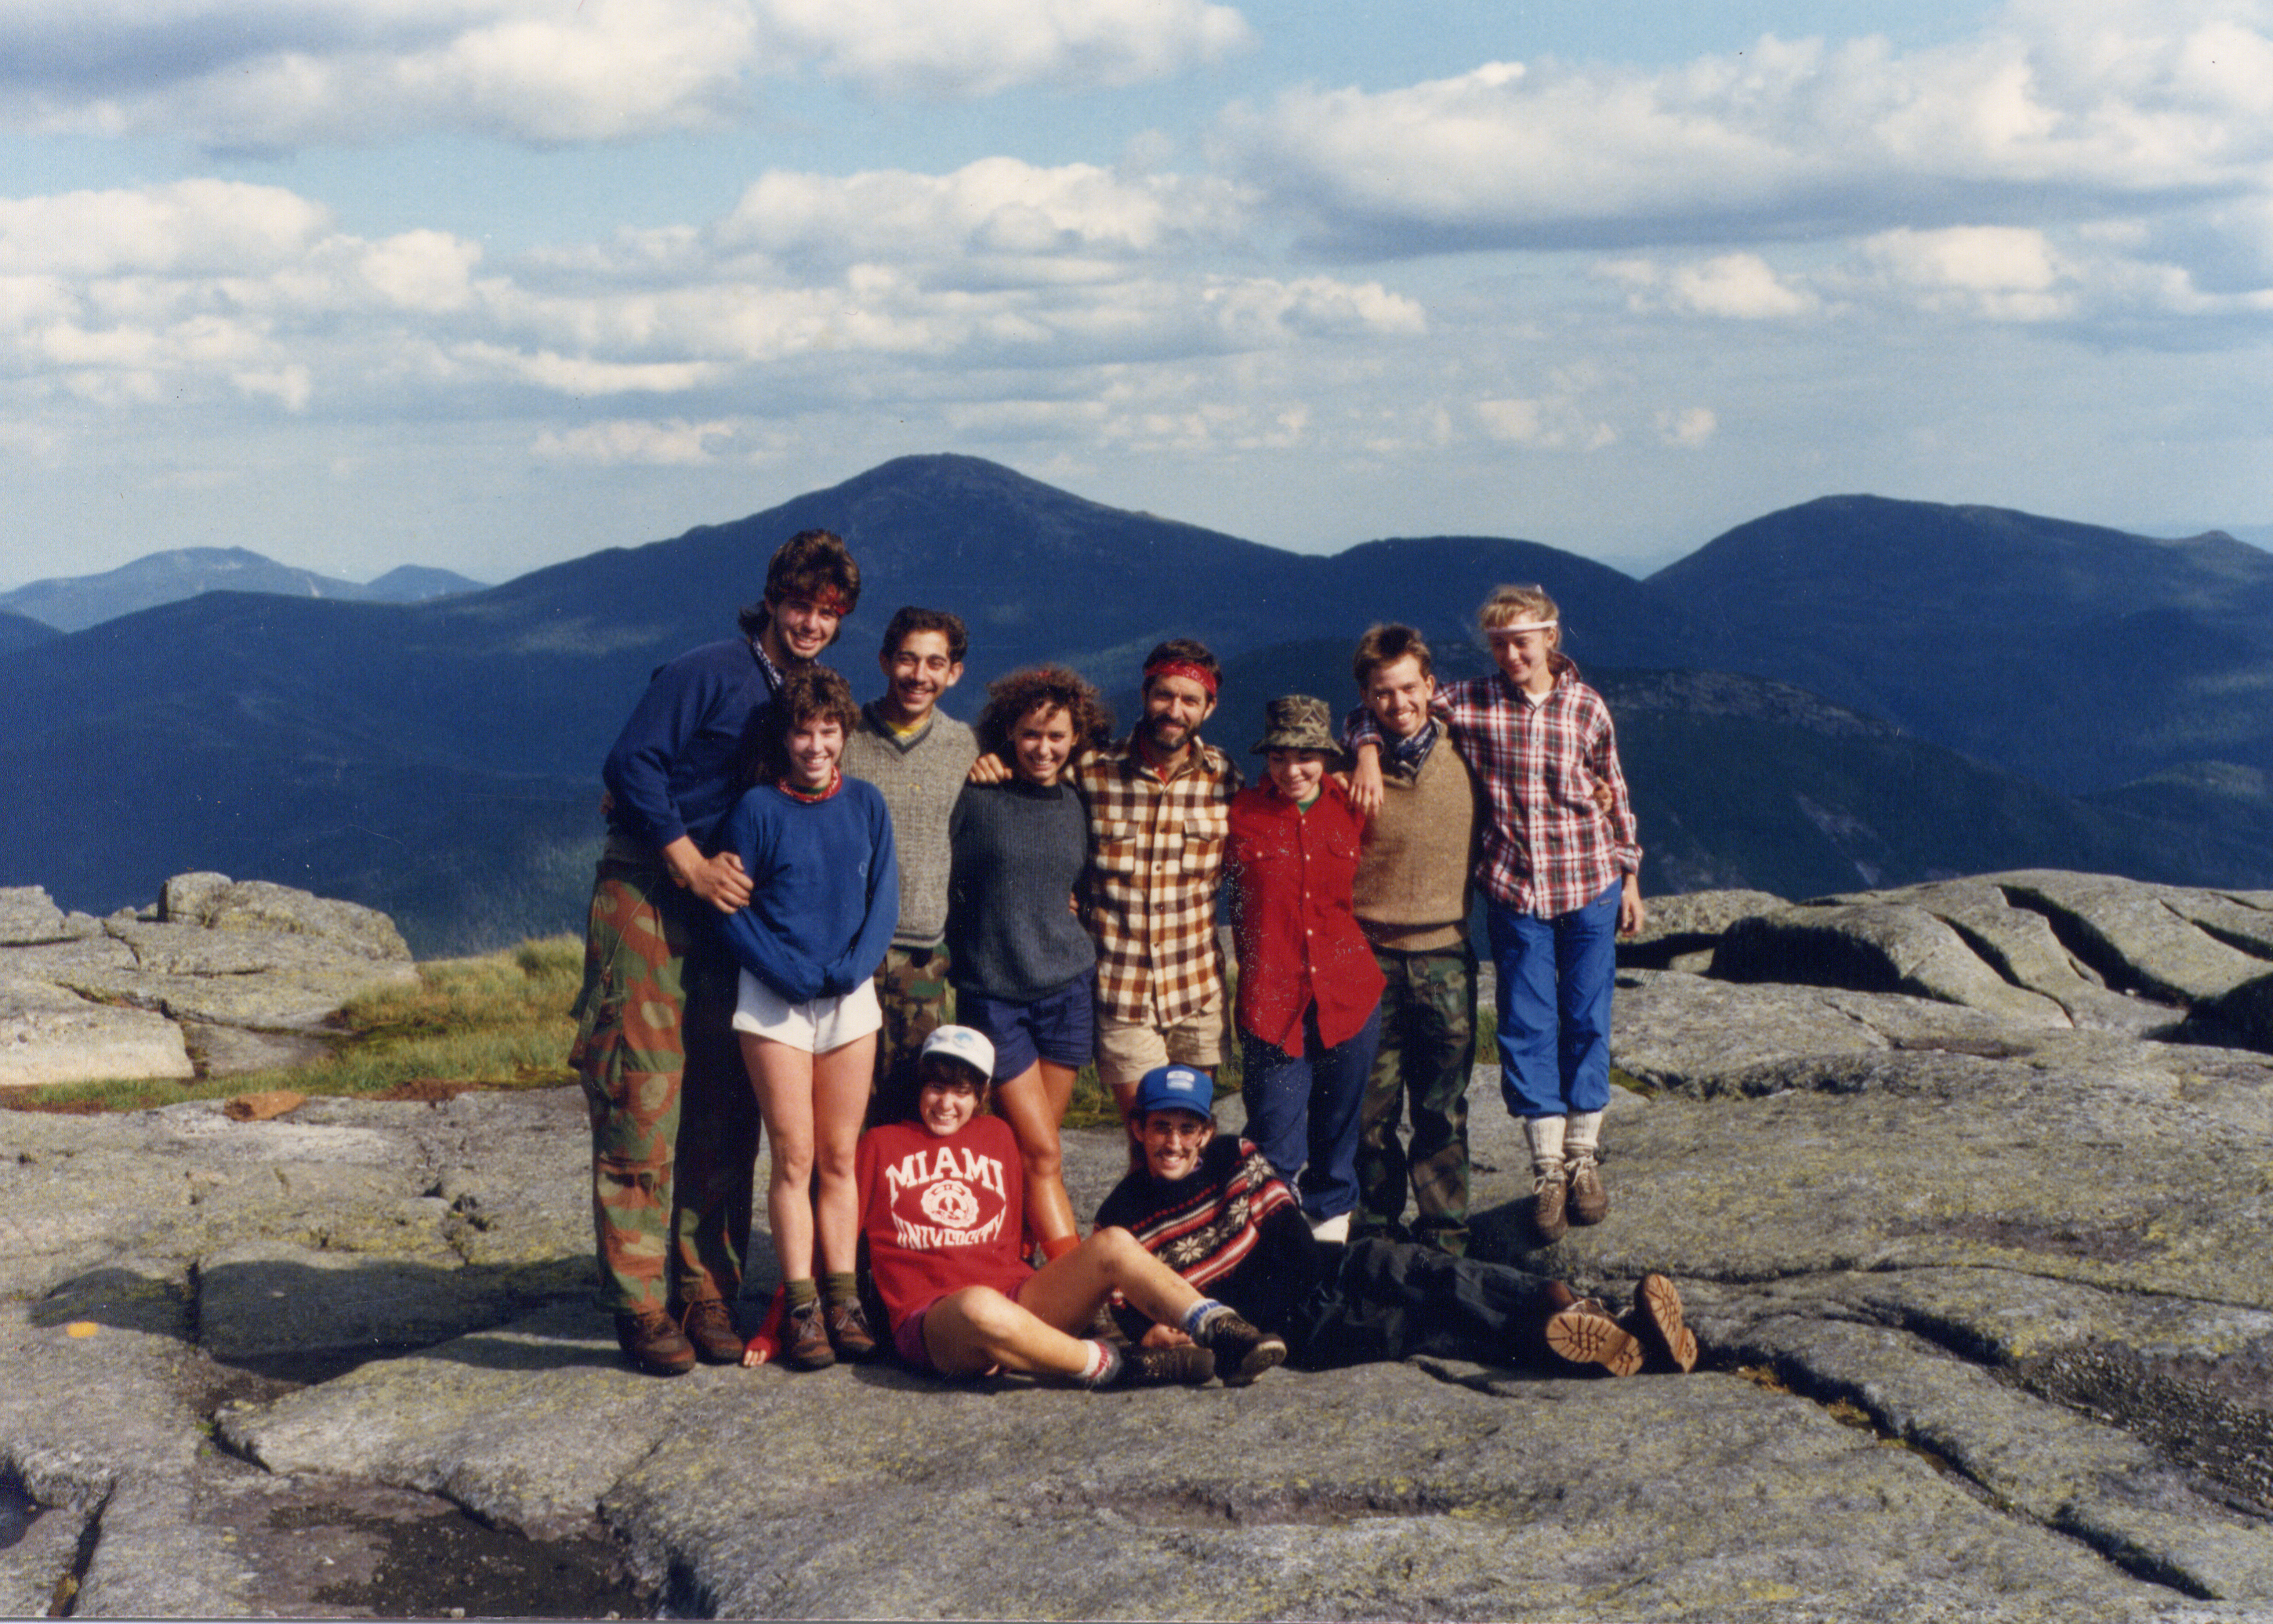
{"x":1412,"y":901}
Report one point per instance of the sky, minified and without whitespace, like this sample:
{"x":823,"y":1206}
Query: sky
{"x":488,"y":284}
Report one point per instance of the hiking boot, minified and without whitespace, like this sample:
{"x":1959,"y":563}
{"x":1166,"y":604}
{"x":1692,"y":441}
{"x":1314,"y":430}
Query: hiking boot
{"x":805,"y":1339}
{"x":1589,"y":1202}
{"x":1549,"y":1189}
{"x":1666,"y":1342}
{"x":1188,"y":1366}
{"x":1242,"y":1352}
{"x":709,"y":1325}
{"x":1585,"y":1333}
{"x":847,"y":1325}
{"x":653,"y":1343}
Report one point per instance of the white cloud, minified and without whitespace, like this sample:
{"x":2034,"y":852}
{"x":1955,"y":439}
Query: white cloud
{"x":1690,"y":427}
{"x":2050,"y":113}
{"x":676,"y":443}
{"x":272,"y":75}
{"x":1743,"y":287}
{"x":1551,"y":423}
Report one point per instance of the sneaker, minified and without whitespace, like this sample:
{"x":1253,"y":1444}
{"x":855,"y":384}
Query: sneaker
{"x":805,"y":1339}
{"x":1585,"y":1333}
{"x":1242,"y":1352}
{"x":847,"y":1325}
{"x":1188,"y":1366}
{"x":710,"y":1326}
{"x":1590,"y":1203}
{"x":1549,"y":1189}
{"x":1656,"y":1321}
{"x":653,"y":1343}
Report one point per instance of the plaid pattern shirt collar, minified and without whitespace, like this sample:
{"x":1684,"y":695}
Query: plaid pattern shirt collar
{"x":1546,"y":847}
{"x":1156,"y":860}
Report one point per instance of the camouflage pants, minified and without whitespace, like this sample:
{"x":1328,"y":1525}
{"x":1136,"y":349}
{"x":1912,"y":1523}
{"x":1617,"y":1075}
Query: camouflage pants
{"x":674,"y":1118}
{"x":911,"y":989}
{"x":1428,"y":1048}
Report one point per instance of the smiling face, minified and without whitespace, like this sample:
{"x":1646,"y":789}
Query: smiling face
{"x":1174,"y":707}
{"x":1041,"y":741}
{"x":813,"y":746}
{"x":917,"y":673}
{"x":1173,"y":1141}
{"x":1398,"y":694}
{"x":947,"y":1101}
{"x":1296,"y":774}
{"x":799,"y":628}
{"x":1524,"y":658}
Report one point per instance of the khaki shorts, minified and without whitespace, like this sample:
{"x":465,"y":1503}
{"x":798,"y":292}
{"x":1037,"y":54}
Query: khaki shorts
{"x":1126,"y":1050}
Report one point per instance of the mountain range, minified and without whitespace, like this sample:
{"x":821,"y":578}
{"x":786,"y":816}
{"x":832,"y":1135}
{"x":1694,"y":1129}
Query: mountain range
{"x":440,"y":759}
{"x":73,"y":602}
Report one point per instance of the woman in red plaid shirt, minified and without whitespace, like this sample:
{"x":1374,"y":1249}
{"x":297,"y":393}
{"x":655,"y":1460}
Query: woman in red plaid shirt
{"x":1560,"y":869}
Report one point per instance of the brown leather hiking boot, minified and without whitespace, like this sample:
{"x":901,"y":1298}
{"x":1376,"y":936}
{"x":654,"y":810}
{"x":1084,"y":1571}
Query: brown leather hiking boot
{"x":653,"y":1343}
{"x":1585,"y":1333}
{"x":1549,"y":1189}
{"x":1242,"y":1352}
{"x":1189,"y":1366}
{"x":847,"y":1325}
{"x":1589,"y":1202}
{"x":710,"y":1326}
{"x":805,"y":1339}
{"x":1667,"y":1342}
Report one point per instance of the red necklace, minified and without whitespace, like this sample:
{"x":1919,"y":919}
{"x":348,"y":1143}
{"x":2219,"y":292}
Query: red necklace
{"x":836,"y":781}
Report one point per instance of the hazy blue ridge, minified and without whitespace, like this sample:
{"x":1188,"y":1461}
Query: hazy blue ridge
{"x":18,"y":630}
{"x":72,"y":604}
{"x":440,"y":759}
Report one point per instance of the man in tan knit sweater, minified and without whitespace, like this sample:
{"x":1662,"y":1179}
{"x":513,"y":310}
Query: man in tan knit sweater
{"x":1412,"y":901}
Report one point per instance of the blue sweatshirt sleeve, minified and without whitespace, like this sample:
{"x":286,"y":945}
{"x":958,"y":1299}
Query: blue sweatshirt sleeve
{"x":792,"y":974}
{"x":668,"y":715}
{"x":883,"y":913}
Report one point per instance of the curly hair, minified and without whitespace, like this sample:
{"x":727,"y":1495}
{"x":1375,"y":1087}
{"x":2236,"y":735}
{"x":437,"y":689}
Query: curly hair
{"x":810,"y":564}
{"x":1010,"y":699}
{"x":815,"y":694}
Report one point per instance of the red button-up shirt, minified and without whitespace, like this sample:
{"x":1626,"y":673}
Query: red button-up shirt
{"x":1299,"y":941}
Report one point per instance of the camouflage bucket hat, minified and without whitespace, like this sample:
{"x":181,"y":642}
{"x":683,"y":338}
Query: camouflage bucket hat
{"x":1297,"y":722}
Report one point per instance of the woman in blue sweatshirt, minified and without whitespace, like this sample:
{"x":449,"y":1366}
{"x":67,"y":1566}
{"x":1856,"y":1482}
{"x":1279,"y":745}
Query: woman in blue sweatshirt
{"x":824,"y":898}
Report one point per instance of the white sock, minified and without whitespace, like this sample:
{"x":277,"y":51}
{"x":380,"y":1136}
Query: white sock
{"x":1104,"y":1364}
{"x":1546,"y":1136}
{"x":1584,"y":1132}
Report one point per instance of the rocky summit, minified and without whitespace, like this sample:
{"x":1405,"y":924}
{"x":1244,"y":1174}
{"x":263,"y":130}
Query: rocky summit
{"x":218,"y":978}
{"x":1967,"y":1186}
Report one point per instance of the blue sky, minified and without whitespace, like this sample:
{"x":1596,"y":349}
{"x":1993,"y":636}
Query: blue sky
{"x":490,"y":283}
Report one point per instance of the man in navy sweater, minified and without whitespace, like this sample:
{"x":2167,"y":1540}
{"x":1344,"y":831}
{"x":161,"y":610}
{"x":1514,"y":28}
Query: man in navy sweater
{"x":674,"y":1123}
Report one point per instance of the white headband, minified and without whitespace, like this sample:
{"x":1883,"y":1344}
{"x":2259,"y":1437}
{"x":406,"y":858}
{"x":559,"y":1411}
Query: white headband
{"x":1523,"y":625}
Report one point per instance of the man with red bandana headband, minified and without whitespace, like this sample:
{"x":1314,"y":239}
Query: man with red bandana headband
{"x":674,"y":1123}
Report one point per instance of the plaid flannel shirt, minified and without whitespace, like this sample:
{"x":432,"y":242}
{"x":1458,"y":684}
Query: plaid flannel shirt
{"x":1155,"y":861}
{"x":1547,"y":849}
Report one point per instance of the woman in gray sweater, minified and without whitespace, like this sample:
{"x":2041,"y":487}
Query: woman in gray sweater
{"x":1022,"y":963}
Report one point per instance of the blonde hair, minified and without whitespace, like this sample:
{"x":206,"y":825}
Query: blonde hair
{"x":1509,"y":605}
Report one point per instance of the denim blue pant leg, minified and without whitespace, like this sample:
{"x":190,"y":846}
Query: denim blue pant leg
{"x":1554,"y":1006}
{"x":1302,"y":1112}
{"x":1337,"y":1078}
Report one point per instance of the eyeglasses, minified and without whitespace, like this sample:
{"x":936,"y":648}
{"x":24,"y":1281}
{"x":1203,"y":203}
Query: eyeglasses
{"x":1169,"y":1128}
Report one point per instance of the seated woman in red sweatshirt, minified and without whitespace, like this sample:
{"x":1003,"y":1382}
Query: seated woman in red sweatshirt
{"x":942,"y":1208}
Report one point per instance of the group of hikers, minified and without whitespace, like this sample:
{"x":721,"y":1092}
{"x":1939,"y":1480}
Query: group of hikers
{"x":794,"y":883}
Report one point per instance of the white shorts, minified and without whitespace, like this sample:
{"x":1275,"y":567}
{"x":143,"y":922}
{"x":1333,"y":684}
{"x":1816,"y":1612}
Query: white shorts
{"x":817,"y":1027}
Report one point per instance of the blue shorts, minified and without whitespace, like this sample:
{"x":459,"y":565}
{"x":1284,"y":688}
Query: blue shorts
{"x":1059,"y":1027}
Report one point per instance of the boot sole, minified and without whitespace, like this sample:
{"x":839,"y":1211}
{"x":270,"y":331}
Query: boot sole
{"x":1583,"y":1339}
{"x":1657,"y":1307}
{"x":1264,"y":1354}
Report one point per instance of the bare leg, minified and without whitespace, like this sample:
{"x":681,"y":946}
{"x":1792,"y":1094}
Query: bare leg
{"x":977,"y":1329}
{"x":1069,"y":1290}
{"x":839,"y":1104}
{"x":783,"y":1078}
{"x":1034,"y":1103}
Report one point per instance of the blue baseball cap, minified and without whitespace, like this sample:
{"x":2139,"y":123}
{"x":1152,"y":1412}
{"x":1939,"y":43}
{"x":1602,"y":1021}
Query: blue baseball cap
{"x":1175,"y":1088}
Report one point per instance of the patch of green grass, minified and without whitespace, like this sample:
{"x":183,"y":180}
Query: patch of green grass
{"x":497,"y":1022}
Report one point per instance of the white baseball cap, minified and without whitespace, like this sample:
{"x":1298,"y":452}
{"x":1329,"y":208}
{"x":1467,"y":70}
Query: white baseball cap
{"x":964,"y":1044}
